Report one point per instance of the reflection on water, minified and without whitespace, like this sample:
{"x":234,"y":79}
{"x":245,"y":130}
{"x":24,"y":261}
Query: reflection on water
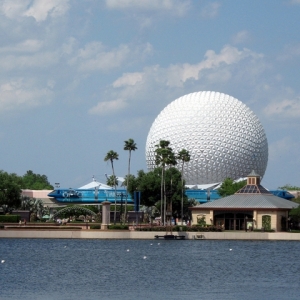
{"x":104,"y":269}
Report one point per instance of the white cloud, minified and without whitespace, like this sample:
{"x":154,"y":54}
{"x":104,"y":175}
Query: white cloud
{"x":14,"y":9}
{"x":37,"y":60}
{"x":69,"y":46}
{"x":128,"y":79}
{"x":281,"y":148}
{"x":108,"y":107}
{"x":178,"y":7}
{"x":230,"y":66}
{"x":295,"y":2}
{"x":94,"y":56}
{"x":285,"y":108}
{"x":29,"y":45}
{"x":178,"y":74}
{"x":211,"y":10}
{"x":290,"y":52}
{"x":241,"y":37}
{"x":19,"y":94}
{"x":38,"y":9}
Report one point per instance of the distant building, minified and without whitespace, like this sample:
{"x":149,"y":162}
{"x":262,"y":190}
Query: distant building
{"x":48,"y":202}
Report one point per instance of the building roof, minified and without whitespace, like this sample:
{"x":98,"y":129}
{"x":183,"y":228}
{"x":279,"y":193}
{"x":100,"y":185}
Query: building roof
{"x":253,"y":173}
{"x":248,"y":201}
{"x":95,"y":184}
{"x":253,"y":189}
{"x":251,"y":196}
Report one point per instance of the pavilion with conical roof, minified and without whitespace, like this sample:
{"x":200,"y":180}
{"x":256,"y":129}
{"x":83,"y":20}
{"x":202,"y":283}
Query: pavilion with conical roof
{"x":252,"y":207}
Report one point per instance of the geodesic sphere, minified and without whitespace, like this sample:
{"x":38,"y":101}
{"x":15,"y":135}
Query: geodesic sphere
{"x":223,"y":136}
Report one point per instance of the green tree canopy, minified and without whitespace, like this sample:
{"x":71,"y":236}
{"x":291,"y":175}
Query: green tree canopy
{"x":229,"y":187}
{"x":10,"y":192}
{"x":289,"y":187}
{"x":112,"y":180}
{"x":34,"y":181}
{"x":149,"y":184}
{"x":295,"y":214}
{"x":11,"y":185}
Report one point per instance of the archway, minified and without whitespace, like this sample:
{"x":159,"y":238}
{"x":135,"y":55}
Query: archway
{"x":74,"y":209}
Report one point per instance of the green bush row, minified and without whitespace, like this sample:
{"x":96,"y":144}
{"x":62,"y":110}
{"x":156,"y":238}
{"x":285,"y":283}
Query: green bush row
{"x":263,"y":230}
{"x":180,"y":228}
{"x":10,"y":218}
{"x":95,"y":226}
{"x":118,"y":227}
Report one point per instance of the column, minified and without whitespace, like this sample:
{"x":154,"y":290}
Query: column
{"x":105,"y":215}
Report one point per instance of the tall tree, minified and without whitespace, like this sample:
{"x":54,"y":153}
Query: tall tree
{"x":150,"y":186}
{"x":111,"y":156}
{"x":184,"y":157}
{"x":129,"y":146}
{"x":10,"y":192}
{"x":163,"y":156}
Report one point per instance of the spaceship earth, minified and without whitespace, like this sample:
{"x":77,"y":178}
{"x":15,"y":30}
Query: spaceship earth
{"x":224,"y":137}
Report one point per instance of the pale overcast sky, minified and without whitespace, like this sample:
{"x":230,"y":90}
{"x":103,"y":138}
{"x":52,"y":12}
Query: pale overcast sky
{"x":78,"y":78}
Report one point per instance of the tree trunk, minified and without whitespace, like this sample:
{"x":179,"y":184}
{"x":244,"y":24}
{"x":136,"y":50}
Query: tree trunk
{"x":125,"y":212}
{"x":115,"y":213}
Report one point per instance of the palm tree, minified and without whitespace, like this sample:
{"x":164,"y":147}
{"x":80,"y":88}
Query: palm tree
{"x":111,"y":156}
{"x":163,"y":156}
{"x":112,"y":181}
{"x":184,"y":156}
{"x":129,"y":146}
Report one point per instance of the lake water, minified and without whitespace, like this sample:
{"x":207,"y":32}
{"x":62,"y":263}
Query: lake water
{"x":151,"y":269}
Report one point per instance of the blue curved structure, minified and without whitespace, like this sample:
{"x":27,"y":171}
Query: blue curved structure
{"x":203,"y":196}
{"x":90,"y":196}
{"x":283,"y":194}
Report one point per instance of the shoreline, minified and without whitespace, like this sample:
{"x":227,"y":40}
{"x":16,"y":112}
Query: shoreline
{"x":144,"y":235}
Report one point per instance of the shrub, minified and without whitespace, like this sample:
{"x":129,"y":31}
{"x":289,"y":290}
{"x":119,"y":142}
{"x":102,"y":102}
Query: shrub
{"x":95,"y":226}
{"x":10,"y":218}
{"x":266,"y":222}
{"x":33,"y":217}
{"x":118,"y":227}
{"x":201,"y":221}
{"x":194,"y":228}
{"x":98,"y":218}
{"x":263,"y":230}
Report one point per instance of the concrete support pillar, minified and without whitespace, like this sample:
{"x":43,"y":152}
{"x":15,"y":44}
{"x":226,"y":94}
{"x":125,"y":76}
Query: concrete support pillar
{"x":105,"y":215}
